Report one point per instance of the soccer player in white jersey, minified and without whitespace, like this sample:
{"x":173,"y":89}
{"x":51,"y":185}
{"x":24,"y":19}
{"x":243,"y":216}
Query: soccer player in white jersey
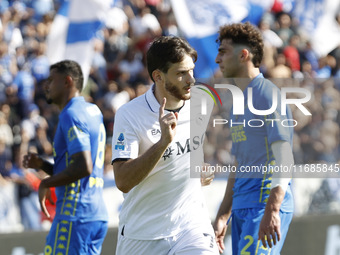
{"x":163,"y":210}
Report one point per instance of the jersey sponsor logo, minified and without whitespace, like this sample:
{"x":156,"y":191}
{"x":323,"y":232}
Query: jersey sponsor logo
{"x":184,"y":147}
{"x":238,"y":134}
{"x":155,"y":132}
{"x":167,"y":153}
{"x":120,"y":145}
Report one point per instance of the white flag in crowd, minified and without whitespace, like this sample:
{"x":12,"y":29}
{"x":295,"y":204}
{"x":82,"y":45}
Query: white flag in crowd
{"x":73,"y":30}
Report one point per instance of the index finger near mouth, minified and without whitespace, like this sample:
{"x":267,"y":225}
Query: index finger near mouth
{"x":162,"y":107}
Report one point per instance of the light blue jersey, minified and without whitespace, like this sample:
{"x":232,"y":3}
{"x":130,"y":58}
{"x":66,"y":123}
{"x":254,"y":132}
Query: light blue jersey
{"x":252,"y":137}
{"x":80,"y":128}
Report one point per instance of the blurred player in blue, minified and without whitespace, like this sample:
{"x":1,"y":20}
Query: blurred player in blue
{"x":80,"y":223}
{"x":260,"y":206}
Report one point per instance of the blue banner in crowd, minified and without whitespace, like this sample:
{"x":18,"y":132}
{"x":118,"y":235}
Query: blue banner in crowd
{"x":199,"y":21}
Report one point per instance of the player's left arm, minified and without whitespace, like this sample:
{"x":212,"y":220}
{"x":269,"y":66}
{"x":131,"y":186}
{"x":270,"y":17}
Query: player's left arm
{"x":269,"y":230}
{"x":79,"y":167}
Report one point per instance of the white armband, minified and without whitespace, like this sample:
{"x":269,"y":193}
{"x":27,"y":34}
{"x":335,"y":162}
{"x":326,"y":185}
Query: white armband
{"x":284,"y":159}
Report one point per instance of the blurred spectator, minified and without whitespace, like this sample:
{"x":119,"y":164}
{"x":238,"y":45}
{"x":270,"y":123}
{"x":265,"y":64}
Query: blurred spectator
{"x":30,"y":39}
{"x":144,"y":28}
{"x":27,"y":183}
{"x":9,"y":210}
{"x":271,"y":42}
{"x":307,"y":70}
{"x":292,"y":54}
{"x":270,"y":38}
{"x":10,"y":32}
{"x":116,"y":44}
{"x":5,"y":130}
{"x":280,"y":70}
{"x":98,"y":68}
{"x":34,"y":120}
{"x":131,"y":66}
{"x":23,"y":87}
{"x":21,"y":56}
{"x":40,"y":65}
{"x":117,"y":20}
{"x":168,"y":24}
{"x":153,"y":5}
{"x":8,"y":65}
{"x":116,"y":96}
{"x":5,"y":158}
{"x":41,"y":142}
{"x":284,"y":27}
{"x":41,"y":8}
{"x":309,"y":55}
{"x":325,"y":67}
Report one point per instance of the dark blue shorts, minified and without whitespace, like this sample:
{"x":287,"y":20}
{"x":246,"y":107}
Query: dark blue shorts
{"x":245,"y":228}
{"x":67,"y":237}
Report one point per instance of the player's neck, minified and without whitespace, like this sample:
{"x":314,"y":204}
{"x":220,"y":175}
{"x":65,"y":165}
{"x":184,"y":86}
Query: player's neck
{"x":67,"y":99}
{"x":243,"y":80}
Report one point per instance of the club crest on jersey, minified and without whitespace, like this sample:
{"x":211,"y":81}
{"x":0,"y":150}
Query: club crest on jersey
{"x":74,"y":132}
{"x":120,"y":145}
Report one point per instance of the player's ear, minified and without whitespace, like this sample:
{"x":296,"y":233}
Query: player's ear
{"x":245,"y":55}
{"x":69,"y":81}
{"x":157,"y":76}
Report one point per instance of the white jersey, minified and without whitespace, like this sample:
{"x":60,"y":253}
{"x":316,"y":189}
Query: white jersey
{"x":168,"y":200}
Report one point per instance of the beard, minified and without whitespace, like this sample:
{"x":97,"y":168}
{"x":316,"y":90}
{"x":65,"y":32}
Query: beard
{"x":49,"y":100}
{"x":176,"y":92}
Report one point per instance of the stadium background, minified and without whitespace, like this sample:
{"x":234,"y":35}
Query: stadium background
{"x":301,"y":45}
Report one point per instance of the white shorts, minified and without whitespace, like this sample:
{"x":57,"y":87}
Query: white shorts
{"x":188,"y":242}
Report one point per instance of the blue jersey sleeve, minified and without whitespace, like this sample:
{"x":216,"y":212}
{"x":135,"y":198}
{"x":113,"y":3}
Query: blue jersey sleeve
{"x":76,"y":133}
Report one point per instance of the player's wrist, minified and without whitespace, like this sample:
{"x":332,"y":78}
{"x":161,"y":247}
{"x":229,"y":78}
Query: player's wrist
{"x":222,"y":218}
{"x":41,"y":162}
{"x":273,"y":207}
{"x":164,"y":142}
{"x":43,"y":182}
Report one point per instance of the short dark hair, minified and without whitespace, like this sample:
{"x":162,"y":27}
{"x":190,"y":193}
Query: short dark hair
{"x":167,"y":50}
{"x":247,"y":34}
{"x":71,"y":68}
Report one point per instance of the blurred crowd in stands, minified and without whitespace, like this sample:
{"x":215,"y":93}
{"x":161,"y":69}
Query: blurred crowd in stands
{"x":118,"y":74}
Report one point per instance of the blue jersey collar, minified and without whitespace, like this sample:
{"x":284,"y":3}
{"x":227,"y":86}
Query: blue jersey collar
{"x":72,"y":101}
{"x":259,"y":76}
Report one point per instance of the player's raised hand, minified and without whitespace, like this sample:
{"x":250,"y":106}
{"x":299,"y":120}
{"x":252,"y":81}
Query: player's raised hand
{"x":168,"y":123}
{"x":32,"y":160}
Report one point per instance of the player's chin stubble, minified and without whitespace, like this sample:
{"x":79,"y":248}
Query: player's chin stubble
{"x":176,"y":92}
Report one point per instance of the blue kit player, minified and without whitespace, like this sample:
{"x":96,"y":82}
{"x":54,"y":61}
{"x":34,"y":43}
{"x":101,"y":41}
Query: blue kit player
{"x":80,"y":223}
{"x":260,"y":204}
